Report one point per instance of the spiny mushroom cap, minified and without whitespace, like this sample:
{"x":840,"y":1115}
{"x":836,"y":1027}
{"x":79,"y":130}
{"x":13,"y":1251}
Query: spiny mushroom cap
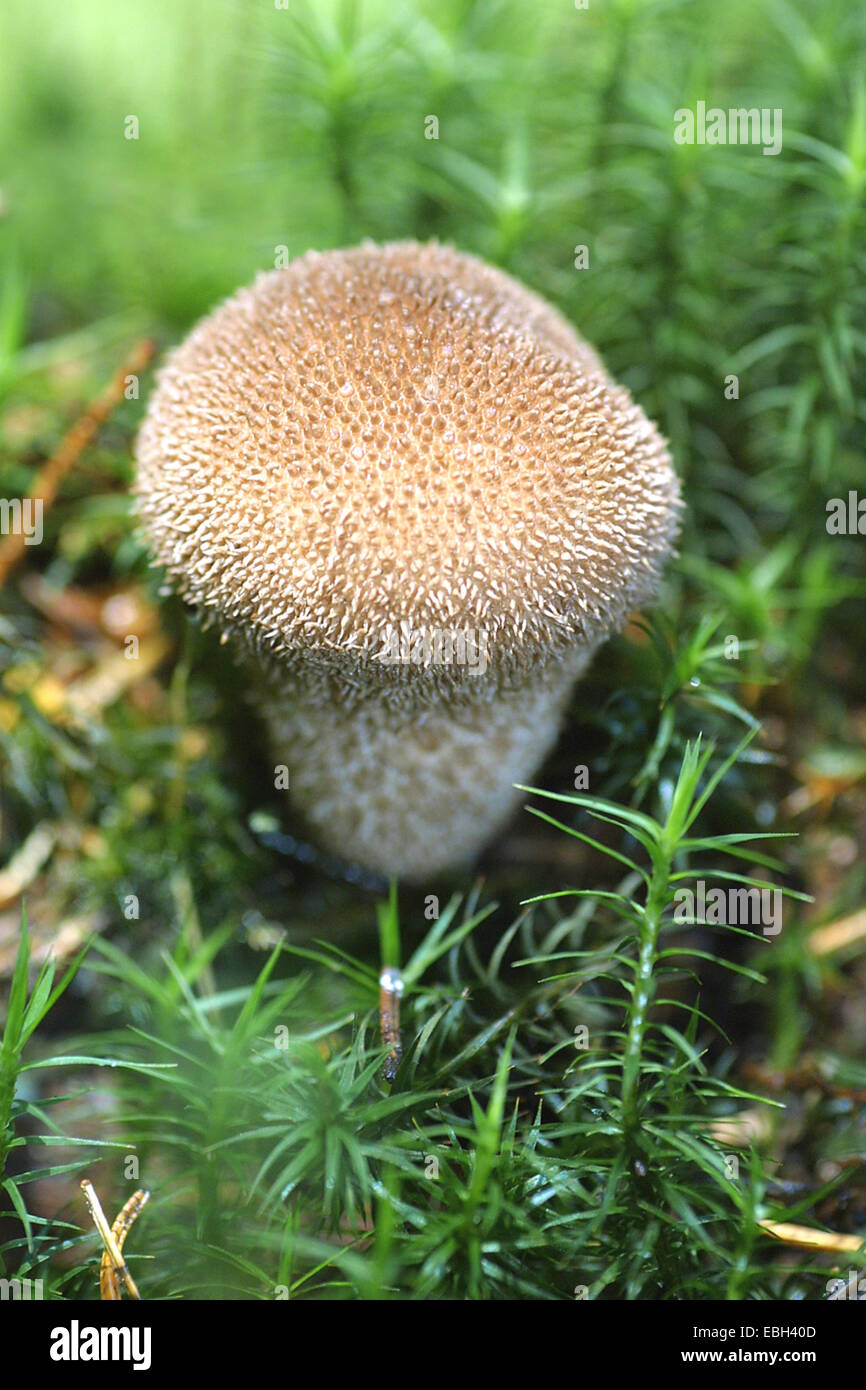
{"x":400,"y":437}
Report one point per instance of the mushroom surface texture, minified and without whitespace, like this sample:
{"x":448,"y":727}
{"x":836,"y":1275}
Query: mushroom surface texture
{"x":408,"y":491}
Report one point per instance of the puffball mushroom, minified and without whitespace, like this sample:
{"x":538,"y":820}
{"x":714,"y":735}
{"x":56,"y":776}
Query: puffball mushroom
{"x":412,"y":495}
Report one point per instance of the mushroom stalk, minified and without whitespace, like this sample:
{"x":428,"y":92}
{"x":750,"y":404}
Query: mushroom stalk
{"x":413,"y":789}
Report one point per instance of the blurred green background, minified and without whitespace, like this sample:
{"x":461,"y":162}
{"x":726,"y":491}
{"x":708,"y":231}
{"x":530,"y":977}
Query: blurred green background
{"x":261,"y":128}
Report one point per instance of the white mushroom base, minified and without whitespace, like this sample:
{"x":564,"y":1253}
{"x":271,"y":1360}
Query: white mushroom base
{"x":414,"y":793}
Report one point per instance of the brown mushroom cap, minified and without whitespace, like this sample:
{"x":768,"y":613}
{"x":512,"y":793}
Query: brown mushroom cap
{"x":401,"y":435}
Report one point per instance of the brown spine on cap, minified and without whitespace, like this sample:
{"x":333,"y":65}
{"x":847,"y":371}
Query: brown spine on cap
{"x":413,"y":494}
